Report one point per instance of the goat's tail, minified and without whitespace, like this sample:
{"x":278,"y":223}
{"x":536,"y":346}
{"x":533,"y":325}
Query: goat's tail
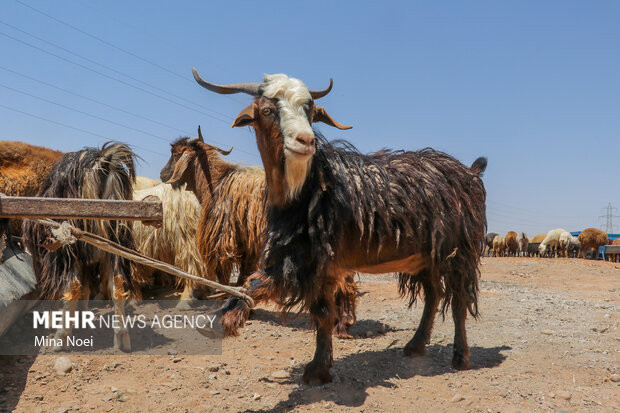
{"x":479,"y":166}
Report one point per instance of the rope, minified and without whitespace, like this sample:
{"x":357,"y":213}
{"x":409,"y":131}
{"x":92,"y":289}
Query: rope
{"x":66,"y":234}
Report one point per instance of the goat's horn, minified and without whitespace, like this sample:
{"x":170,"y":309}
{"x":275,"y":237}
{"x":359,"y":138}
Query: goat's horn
{"x":249,"y":88}
{"x":222,"y":151}
{"x":200,"y":135}
{"x":317,"y":94}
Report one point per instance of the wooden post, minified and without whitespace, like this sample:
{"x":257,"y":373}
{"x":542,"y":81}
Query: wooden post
{"x":70,"y":208}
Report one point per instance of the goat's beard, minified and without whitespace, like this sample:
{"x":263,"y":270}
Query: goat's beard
{"x":296,"y":170}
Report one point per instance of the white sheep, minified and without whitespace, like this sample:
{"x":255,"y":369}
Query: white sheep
{"x":551,"y":242}
{"x":175,"y":241}
{"x":566,"y":239}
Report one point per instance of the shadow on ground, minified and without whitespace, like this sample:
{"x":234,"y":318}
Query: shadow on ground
{"x":356,"y":373}
{"x":302,"y":322}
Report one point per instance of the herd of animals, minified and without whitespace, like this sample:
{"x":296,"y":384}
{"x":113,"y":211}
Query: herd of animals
{"x":293,"y":232}
{"x":556,"y":243}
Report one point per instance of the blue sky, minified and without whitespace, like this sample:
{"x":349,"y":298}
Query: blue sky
{"x":534,"y":86}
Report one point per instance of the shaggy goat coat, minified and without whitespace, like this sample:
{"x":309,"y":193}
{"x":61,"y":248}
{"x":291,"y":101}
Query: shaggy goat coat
{"x":425,"y":202}
{"x":175,"y":241}
{"x":92,"y":173}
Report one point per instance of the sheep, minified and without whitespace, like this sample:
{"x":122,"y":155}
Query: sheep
{"x":23,"y":169}
{"x":523,"y":242}
{"x":175,"y":241}
{"x":142,"y":182}
{"x":499,"y":246}
{"x":615,"y":257}
{"x":487,"y":248}
{"x":551,"y":242}
{"x":511,"y":244}
{"x":538,"y":238}
{"x":71,"y":271}
{"x":233,"y":219}
{"x":566,"y":239}
{"x":591,"y":239}
{"x":333,"y":210}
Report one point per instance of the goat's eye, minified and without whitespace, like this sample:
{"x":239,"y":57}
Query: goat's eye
{"x":267,"y":111}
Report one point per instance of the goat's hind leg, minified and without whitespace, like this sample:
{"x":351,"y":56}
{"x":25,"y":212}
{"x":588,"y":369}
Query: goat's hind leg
{"x":70,"y":304}
{"x":118,"y":294}
{"x":432,"y":295}
{"x":346,"y":300}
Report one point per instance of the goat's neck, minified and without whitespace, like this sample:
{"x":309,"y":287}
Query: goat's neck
{"x":208,"y":173}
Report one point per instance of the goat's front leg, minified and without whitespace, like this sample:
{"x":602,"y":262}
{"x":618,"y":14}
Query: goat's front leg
{"x":71,"y":296}
{"x":323,"y":316}
{"x":236,"y":311}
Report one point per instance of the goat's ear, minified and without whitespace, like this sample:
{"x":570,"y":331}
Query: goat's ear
{"x":321,"y":115}
{"x":247,"y":116}
{"x":180,"y":167}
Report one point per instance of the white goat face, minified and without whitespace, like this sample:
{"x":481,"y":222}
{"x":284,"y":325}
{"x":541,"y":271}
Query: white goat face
{"x":294,"y":112}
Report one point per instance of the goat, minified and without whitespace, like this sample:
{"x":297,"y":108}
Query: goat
{"x":487,"y":248}
{"x":551,"y":243}
{"x":499,"y":246}
{"x":590,"y":240}
{"x":523,"y":242}
{"x":511,"y":243}
{"x":72,"y":271}
{"x":23,"y":169}
{"x":333,"y":210}
{"x":175,"y":241}
{"x":233,"y":219}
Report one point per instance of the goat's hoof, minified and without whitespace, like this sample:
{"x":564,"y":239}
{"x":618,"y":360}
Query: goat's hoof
{"x":415,"y":348}
{"x":342,"y":331}
{"x":184,"y":305}
{"x":122,"y":341}
{"x":459,"y":362}
{"x":316,"y":373}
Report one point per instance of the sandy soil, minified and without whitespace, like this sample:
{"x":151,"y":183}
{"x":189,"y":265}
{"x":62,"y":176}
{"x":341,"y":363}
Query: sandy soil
{"x":547,"y":340}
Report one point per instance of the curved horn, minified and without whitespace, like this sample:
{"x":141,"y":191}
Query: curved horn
{"x":220,"y":150}
{"x":249,"y":88}
{"x":317,"y":94}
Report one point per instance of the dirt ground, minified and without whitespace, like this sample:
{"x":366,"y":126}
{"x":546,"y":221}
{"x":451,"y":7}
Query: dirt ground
{"x":547,"y":340}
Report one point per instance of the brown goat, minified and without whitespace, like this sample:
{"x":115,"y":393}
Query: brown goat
{"x":591,"y":239}
{"x":233,"y":218}
{"x":232,"y":200}
{"x":511,"y":244}
{"x":23,"y":169}
{"x":333,"y":210}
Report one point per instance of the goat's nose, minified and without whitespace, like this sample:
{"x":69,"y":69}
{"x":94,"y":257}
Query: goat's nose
{"x":306,"y":140}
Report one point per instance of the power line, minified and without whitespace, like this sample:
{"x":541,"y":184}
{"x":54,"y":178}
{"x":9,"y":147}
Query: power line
{"x":84,"y":113}
{"x":113,"y":78}
{"x":110,"y":68}
{"x":94,"y":100}
{"x":99,"y":39}
{"x":74,"y":128}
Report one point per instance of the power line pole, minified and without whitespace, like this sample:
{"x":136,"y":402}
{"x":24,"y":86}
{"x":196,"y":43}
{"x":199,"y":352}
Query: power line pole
{"x":609,"y":216}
